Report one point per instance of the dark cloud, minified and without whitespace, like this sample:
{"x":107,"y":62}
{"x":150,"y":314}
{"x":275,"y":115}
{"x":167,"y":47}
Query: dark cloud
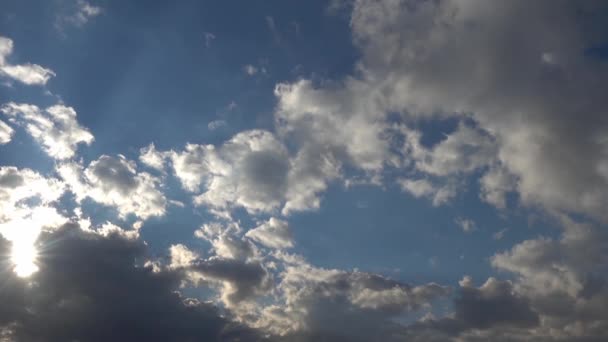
{"x":494,"y":303}
{"x":90,"y":289}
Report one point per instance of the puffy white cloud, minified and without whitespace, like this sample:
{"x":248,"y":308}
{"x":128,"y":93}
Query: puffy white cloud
{"x":462,"y":151}
{"x":30,"y":74}
{"x":6,"y":133}
{"x":545,"y":118}
{"x":114,"y":181}
{"x":253,"y":170}
{"x":274,"y":233}
{"x":55,"y":128}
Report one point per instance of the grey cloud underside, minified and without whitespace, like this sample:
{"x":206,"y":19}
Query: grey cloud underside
{"x":89,"y":289}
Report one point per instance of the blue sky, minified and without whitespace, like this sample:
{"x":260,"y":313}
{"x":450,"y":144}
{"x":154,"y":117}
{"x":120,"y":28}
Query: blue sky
{"x":412,"y":168}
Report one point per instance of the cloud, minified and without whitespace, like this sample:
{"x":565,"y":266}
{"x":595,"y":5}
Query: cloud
{"x":274,"y":233}
{"x":55,"y":128}
{"x":30,"y":74}
{"x":114,"y":181}
{"x":6,"y":133}
{"x":467,"y":225}
{"x":240,"y":280}
{"x":89,"y":289}
{"x":463,"y":151}
{"x":251,"y":70}
{"x":78,"y":14}
{"x":209,"y":38}
{"x":548,"y":129}
{"x":340,"y":304}
{"x":276,"y":34}
{"x":439,"y":194}
{"x":216,"y":124}
{"x":26,"y":209}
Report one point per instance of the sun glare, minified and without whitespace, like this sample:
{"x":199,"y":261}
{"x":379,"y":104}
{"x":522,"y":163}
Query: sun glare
{"x":24,"y":257}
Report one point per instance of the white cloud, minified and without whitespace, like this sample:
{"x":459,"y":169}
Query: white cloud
{"x":420,"y":54}
{"x":439,"y":194}
{"x":152,"y":158}
{"x":274,"y":233}
{"x":6,"y":133}
{"x":250,"y":70}
{"x":55,"y":128}
{"x":30,"y":74}
{"x":114,"y":181}
{"x":462,"y":151}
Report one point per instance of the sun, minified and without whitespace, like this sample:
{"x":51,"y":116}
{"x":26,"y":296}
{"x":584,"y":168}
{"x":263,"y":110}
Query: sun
{"x":24,"y":256}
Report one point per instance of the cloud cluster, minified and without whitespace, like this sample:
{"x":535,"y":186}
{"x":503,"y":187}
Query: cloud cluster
{"x":252,"y":170}
{"x":341,"y":305}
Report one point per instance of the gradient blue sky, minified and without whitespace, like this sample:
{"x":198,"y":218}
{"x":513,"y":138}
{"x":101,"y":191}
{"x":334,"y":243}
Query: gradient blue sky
{"x":511,"y":130}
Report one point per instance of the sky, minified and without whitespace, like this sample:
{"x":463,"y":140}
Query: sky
{"x":341,"y":170}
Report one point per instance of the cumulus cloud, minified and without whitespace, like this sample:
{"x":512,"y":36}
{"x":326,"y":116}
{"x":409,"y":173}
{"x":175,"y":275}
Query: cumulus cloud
{"x":345,"y":305}
{"x":55,"y":128}
{"x":114,"y":181}
{"x":252,"y":170}
{"x":274,"y":233}
{"x":547,"y":129}
{"x":30,"y":74}
{"x":240,"y":280}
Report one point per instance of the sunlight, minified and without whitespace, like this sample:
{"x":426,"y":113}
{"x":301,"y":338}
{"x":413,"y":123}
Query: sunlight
{"x":23,"y":231}
{"x":24,"y":257}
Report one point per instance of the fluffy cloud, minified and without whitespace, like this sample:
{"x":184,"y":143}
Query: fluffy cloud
{"x":55,"y":128}
{"x":114,"y":181}
{"x":240,"y":280}
{"x":274,"y":234}
{"x":30,"y":74}
{"x":343,"y":305}
{"x":252,"y":170}
{"x":544,"y":117}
